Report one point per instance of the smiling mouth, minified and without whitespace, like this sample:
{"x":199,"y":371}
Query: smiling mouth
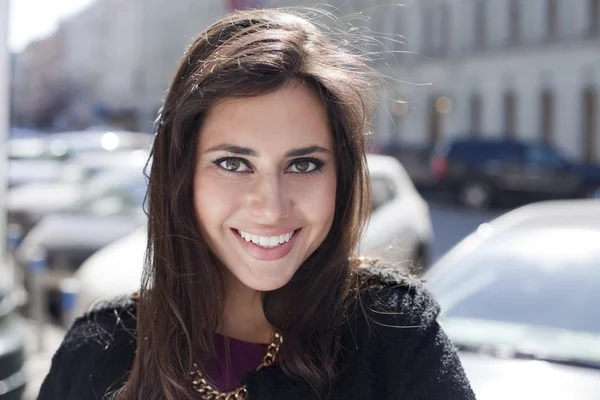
{"x":267,"y":242}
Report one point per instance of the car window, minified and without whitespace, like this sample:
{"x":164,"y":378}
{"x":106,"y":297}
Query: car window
{"x":109,"y":204}
{"x":497,"y":283}
{"x":463,"y":150}
{"x":544,"y":156}
{"x":383,"y":190}
{"x":122,"y":196}
{"x":507,"y":152}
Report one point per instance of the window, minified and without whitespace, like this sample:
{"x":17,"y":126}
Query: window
{"x":547,"y":116}
{"x":514,"y":22}
{"x":590,"y":124}
{"x":427,"y":33}
{"x":444,"y":41}
{"x":480,"y":24}
{"x":475,"y":114}
{"x":398,"y":28}
{"x":551,"y":19}
{"x":510,"y":111}
{"x":544,"y":156}
{"x":594,"y":17}
{"x":509,"y":279}
{"x":435,"y":121}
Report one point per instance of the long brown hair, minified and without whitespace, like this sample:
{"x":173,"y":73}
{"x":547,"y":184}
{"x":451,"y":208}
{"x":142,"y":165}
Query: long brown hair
{"x":245,"y":54}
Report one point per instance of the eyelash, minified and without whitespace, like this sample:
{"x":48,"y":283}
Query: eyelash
{"x":318,"y":165}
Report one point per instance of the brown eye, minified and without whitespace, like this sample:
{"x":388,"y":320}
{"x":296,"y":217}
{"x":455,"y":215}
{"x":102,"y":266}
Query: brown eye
{"x":302,"y":166}
{"x":232,"y":164}
{"x":305,"y":166}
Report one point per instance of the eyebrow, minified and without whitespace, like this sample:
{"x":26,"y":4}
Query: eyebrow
{"x":230,"y":148}
{"x":246,"y":151}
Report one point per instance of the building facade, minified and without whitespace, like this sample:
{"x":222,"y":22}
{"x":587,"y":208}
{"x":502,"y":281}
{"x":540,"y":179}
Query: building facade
{"x":516,"y":68}
{"x":168,"y":27}
{"x":104,"y":62}
{"x":38,"y":82}
{"x":89,"y":71}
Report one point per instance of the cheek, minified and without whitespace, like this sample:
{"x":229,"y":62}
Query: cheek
{"x":317,"y":200}
{"x":214,"y":201}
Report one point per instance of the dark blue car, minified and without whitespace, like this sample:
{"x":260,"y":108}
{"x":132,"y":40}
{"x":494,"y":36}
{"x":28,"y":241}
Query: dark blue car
{"x":480,"y":172}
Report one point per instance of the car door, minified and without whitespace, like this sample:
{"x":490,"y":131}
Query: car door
{"x":505,"y":166}
{"x":549,"y":172}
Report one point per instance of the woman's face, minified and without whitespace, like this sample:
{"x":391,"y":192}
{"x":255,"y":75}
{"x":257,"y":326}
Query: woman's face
{"x":265,"y":183}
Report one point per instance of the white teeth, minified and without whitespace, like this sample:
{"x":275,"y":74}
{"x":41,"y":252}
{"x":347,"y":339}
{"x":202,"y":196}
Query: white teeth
{"x":266,"y":241}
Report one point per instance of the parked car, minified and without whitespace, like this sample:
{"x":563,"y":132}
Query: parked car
{"x":27,"y":204}
{"x":519,"y":298}
{"x":12,"y":345}
{"x":30,"y":161}
{"x":482,"y":171}
{"x":399,"y":229}
{"x":77,"y":142}
{"x":39,"y":159}
{"x":20,"y":132}
{"x":107,"y":210}
{"x":400,"y":225}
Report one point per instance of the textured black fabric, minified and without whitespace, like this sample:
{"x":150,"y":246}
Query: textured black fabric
{"x":393,"y":350}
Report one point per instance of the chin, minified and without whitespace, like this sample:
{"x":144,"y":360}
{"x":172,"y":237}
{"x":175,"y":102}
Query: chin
{"x":265,"y":282}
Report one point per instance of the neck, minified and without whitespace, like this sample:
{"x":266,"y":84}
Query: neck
{"x":243,"y":315}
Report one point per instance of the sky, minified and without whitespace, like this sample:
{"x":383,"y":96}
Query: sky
{"x":34,"y":19}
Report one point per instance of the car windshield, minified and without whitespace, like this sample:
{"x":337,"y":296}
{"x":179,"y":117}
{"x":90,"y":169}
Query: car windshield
{"x":537,"y":288}
{"x":114,"y":192}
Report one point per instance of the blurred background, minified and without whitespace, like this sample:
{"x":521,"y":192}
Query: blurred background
{"x":484,"y":159}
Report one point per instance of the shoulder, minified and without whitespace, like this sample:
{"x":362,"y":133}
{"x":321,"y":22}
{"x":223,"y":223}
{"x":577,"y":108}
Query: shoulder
{"x":105,"y":325}
{"x":392,"y":295}
{"x":396,"y":335}
{"x":96,"y":353}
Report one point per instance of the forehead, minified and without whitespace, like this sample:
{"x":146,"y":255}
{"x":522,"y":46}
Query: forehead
{"x":292,"y":116}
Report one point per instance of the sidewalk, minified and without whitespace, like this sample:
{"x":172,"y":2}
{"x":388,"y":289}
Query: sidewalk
{"x":38,"y":362}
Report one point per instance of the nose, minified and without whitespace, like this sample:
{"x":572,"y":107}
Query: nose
{"x":267,"y":200}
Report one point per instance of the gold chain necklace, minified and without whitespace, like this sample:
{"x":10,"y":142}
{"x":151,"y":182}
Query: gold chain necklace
{"x":207,"y":392}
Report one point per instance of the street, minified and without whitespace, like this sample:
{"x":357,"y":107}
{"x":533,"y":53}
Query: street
{"x":451,"y":223}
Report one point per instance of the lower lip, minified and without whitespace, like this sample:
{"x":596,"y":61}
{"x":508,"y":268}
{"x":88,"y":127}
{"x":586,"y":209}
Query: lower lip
{"x":264,"y":254}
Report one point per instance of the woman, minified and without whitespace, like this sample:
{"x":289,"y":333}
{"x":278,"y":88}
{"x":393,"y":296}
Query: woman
{"x":257,"y":198}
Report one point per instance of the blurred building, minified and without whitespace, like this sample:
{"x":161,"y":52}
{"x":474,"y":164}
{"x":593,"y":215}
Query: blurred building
{"x":522,"y":68}
{"x":89,"y":71}
{"x":167,"y":29}
{"x":38,"y":86}
{"x":516,"y":68}
{"x":104,"y":63}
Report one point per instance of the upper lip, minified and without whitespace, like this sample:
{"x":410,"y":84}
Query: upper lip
{"x":267,"y":232}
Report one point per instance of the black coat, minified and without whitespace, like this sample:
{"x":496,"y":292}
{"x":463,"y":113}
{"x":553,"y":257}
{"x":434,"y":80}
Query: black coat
{"x":399,"y":355}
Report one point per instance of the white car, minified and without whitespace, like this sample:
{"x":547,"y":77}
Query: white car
{"x":41,"y":159}
{"x":399,"y":230}
{"x":519,"y":299}
{"x":27,"y":204}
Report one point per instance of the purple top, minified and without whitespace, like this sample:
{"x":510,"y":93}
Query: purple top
{"x":244,"y":357}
